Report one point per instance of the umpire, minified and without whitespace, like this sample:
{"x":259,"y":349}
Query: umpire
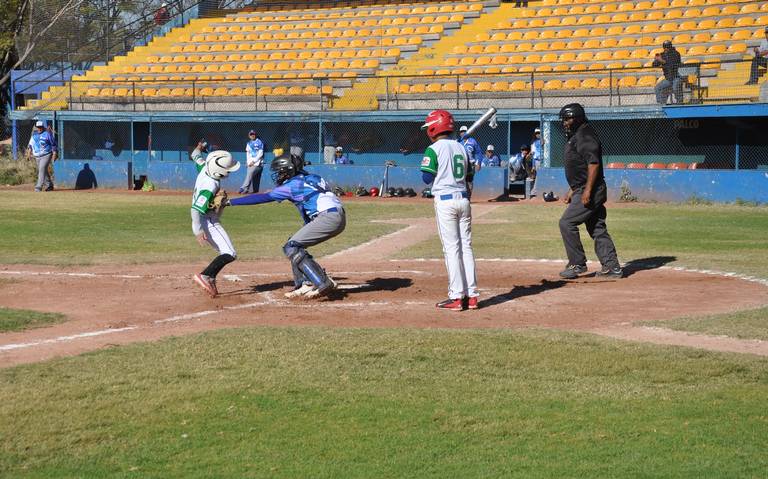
{"x":586,"y":196}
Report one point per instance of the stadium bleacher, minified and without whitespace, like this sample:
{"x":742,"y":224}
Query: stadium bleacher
{"x":437,"y":47}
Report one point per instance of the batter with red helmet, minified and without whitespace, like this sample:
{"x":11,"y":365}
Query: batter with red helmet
{"x":445,"y":165}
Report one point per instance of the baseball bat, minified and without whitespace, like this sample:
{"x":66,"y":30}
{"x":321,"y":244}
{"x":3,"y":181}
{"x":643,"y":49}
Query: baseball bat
{"x":480,"y":121}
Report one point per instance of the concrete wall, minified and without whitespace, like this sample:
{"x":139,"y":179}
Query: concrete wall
{"x":672,"y":185}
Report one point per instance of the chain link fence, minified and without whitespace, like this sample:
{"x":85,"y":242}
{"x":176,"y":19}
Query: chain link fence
{"x":640,"y":141}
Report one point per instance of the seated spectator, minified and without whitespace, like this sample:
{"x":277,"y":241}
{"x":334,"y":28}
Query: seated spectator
{"x":341,"y":158}
{"x":520,"y":164}
{"x":490,"y":158}
{"x":669,"y":61}
{"x":760,"y":60}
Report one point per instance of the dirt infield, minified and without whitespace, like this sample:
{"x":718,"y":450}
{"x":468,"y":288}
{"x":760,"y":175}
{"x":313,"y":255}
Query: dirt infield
{"x":111,"y":305}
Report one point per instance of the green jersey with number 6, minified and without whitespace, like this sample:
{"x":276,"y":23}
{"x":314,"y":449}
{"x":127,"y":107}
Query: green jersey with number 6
{"x":447,"y":160}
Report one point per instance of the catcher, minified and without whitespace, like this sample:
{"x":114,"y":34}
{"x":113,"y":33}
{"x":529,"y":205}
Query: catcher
{"x":207,"y":202}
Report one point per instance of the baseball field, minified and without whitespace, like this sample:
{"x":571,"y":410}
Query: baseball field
{"x":114,"y":364}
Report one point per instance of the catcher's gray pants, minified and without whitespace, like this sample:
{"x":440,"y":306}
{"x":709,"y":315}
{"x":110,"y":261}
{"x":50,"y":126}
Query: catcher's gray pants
{"x":252,"y":179}
{"x":43,"y":177}
{"x":594,"y":218}
{"x":324,"y":227}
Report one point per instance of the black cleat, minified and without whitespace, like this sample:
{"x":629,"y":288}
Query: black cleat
{"x":606,"y":272}
{"x":572,"y":271}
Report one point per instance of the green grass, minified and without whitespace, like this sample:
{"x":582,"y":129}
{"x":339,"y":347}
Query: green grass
{"x":19,"y":319}
{"x":752,"y":324}
{"x":723,"y":237}
{"x":87,"y":228}
{"x":313,"y":402}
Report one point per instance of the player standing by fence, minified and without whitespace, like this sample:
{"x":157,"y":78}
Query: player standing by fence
{"x":445,"y":165}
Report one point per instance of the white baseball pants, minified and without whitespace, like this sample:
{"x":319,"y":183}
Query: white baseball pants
{"x":454,"y":224}
{"x":217,"y":236}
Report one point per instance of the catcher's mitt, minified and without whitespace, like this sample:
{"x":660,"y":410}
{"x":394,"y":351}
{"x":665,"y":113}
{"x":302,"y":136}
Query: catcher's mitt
{"x":219,"y":202}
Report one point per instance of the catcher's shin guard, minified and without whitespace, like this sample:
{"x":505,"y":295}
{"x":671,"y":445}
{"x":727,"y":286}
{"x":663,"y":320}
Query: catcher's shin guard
{"x":304,"y":262}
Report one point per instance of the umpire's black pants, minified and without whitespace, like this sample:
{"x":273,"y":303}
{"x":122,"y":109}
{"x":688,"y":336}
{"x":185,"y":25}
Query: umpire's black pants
{"x":594,"y":218}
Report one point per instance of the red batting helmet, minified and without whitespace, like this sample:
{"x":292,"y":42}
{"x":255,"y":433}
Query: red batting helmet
{"x":374,"y":191}
{"x":439,"y":121}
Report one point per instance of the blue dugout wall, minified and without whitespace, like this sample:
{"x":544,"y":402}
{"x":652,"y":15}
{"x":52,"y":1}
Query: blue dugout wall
{"x":728,"y":143}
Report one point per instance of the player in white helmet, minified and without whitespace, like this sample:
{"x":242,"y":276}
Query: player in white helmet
{"x":446,"y":166}
{"x":205,"y":221}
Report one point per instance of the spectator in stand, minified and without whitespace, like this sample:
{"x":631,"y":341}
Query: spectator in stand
{"x":42,"y":146}
{"x":760,"y":60}
{"x":669,"y":61}
{"x":520,"y":164}
{"x":341,"y":158}
{"x":536,"y":148}
{"x":161,"y":15}
{"x":490,"y":158}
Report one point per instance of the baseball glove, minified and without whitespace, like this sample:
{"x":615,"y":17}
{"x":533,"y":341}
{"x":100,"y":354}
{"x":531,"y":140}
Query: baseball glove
{"x":219,"y":202}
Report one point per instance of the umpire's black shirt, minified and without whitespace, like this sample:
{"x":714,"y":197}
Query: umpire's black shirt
{"x":582,"y":149}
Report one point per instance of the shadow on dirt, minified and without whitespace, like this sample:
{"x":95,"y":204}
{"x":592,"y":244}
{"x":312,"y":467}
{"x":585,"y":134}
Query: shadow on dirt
{"x":521,"y":291}
{"x":376,"y":284}
{"x":643,"y":264}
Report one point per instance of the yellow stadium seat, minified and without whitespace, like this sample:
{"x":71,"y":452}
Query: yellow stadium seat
{"x":609,"y":7}
{"x":584,"y":20}
{"x":568,"y":21}
{"x":628,"y":81}
{"x":722,"y":36}
{"x":729,"y":10}
{"x":526,"y":69}
{"x":716,"y":50}
{"x":737,"y":48}
{"x":537,"y":84}
{"x":508,"y":48}
{"x":560,"y":67}
{"x":563,"y":33}
{"x":592,"y":9}
{"x":647,"y":81}
{"x":703,"y":37}
{"x":741,"y":35}
{"x":750,"y":8}
{"x":650,"y":28}
{"x":727,"y":22}
{"x":567,"y":56}
{"x":581,"y":32}
{"x":517,"y":85}
{"x":615,"y":30}
{"x":745,"y":22}
{"x":500,"y":86}
{"x":531,"y":35}
{"x":589,"y":83}
{"x":466,"y":87}
{"x":514,"y":36}
{"x":544,"y":68}
{"x":609,"y":43}
{"x":552,"y":22}
{"x":592,"y":43}
{"x":596,"y":66}
{"x":688,"y":25}
{"x":541,"y":46}
{"x":553,"y":85}
{"x":597,"y":32}
{"x":605,"y":82}
{"x":602,"y":19}
{"x":697,"y":50}
{"x":640,"y":53}
{"x":621,"y":54}
{"x":626,"y":42}
{"x":584,"y":56}
{"x":603,"y":55}
{"x":668,"y":27}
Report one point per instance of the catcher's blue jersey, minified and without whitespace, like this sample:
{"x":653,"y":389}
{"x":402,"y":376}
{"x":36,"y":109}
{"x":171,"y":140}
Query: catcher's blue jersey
{"x":309,"y":193}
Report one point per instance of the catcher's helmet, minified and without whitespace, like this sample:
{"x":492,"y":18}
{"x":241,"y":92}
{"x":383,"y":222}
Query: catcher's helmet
{"x":219,"y":164}
{"x":374,"y":191}
{"x":438,"y":121}
{"x":283,"y":168}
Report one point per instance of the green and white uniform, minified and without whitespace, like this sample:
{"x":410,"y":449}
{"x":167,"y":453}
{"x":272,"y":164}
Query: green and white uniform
{"x":447,"y":160}
{"x":206,"y":220}
{"x":199,"y":159}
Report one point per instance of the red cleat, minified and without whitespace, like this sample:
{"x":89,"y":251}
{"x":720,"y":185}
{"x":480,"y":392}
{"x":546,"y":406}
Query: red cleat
{"x":472,"y":302}
{"x":451,"y":304}
{"x":207,"y":283}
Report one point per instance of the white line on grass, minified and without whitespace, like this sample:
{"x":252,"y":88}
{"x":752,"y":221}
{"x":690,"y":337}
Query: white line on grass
{"x":62,"y":339}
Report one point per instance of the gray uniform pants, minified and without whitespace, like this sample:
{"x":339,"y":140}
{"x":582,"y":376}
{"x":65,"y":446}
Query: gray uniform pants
{"x":594,"y":218}
{"x":252,"y":179}
{"x":44,"y":181}
{"x":664,"y":88}
{"x":324,"y":227}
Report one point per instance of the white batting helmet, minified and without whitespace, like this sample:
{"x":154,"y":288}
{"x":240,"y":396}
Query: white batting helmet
{"x":219,"y":164}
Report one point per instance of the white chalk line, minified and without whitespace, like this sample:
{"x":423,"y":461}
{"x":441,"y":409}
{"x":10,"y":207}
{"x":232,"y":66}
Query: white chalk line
{"x":62,"y":339}
{"x":386,"y":237}
{"x":75,"y":275}
{"x":711,"y":272}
